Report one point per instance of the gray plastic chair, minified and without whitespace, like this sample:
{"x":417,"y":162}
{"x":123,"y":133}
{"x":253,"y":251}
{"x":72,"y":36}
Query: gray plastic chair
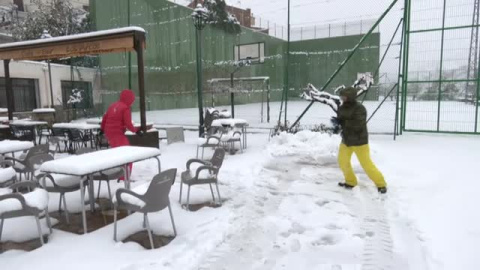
{"x":22,"y":166}
{"x":107,"y":175}
{"x":155,"y":199}
{"x":213,"y":167}
{"x":212,"y":141}
{"x":56,"y":183}
{"x":6,"y":182}
{"x":25,"y":210}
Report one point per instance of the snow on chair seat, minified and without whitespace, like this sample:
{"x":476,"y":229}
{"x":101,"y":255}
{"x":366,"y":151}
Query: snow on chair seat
{"x":130,"y":199}
{"x":36,"y":199}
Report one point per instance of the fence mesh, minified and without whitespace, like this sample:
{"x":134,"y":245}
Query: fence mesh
{"x":441,"y":83}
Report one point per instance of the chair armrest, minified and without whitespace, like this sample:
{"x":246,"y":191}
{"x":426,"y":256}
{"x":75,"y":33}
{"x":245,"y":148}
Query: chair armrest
{"x":120,"y":191}
{"x":17,"y":196}
{"x":15,"y":160}
{"x":194,"y":160}
{"x":203,"y":168}
{"x":213,"y":137}
{"x":46,"y":176}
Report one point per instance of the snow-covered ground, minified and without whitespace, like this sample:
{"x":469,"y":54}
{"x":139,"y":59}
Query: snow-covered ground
{"x":283,"y":210}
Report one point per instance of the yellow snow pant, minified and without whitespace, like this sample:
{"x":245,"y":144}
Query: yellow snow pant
{"x":363,"y":154}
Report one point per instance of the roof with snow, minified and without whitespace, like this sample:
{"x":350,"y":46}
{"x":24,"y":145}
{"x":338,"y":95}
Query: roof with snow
{"x":106,"y":41}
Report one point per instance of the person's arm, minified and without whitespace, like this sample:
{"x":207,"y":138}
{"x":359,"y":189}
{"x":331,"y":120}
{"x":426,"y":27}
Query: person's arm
{"x":127,"y":120}
{"x":359,"y":119}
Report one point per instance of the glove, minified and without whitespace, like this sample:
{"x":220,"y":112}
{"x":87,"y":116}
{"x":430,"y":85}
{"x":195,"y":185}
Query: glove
{"x":335,"y":121}
{"x":100,"y":132}
{"x":139,"y":133}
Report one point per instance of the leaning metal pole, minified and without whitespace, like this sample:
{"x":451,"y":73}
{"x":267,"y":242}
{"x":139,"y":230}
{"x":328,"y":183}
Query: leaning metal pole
{"x":342,"y":65}
{"x":199,"y":82}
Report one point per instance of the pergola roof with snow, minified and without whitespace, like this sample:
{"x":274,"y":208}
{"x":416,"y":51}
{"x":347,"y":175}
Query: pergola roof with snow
{"x":99,"y":42}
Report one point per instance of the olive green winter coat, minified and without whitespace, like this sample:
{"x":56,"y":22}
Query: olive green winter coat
{"x":353,"y":118}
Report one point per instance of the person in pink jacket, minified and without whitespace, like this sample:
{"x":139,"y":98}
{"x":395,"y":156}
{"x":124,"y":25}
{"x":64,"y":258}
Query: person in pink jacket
{"x":118,"y":119}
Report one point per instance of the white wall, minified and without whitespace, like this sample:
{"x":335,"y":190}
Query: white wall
{"x":39,"y":71}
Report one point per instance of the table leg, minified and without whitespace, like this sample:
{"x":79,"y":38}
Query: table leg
{"x":159,"y":165}
{"x":84,"y":215}
{"x":126,"y":174}
{"x":91,"y":194}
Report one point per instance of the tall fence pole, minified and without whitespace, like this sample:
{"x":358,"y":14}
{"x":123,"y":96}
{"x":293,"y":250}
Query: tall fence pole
{"x":342,"y":65}
{"x":477,"y":96}
{"x":287,"y":65}
{"x":441,"y":64}
{"x":406,"y":50}
{"x":400,"y":81}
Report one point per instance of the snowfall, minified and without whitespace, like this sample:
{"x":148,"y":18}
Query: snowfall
{"x":283,"y":209}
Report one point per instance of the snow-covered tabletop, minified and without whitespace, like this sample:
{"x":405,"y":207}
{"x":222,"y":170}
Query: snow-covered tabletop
{"x":28,"y":123}
{"x":44,"y":110}
{"x":4,"y":126}
{"x":90,"y":163}
{"x":81,"y":126}
{"x":8,"y":146}
{"x":96,"y":121}
{"x":229,"y":122}
{"x":3,"y":110}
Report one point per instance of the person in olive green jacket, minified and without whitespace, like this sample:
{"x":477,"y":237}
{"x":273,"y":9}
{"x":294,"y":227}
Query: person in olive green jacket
{"x":352,"y":117}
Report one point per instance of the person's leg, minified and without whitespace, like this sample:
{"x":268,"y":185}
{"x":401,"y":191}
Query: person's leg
{"x":363,"y":155}
{"x":344,"y":158}
{"x":123,"y":141}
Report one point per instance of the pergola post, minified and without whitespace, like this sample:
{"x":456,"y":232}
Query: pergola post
{"x":139,"y":41}
{"x":8,"y":88}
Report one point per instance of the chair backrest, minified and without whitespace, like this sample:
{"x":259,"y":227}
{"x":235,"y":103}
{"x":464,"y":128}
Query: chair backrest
{"x":58,"y":132}
{"x":38,"y":160}
{"x":218,"y":156}
{"x":74,"y":135}
{"x":156,"y":197}
{"x":37,"y":150}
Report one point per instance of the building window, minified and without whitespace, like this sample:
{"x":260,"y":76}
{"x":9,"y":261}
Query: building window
{"x":77,"y":95}
{"x":24,"y":94}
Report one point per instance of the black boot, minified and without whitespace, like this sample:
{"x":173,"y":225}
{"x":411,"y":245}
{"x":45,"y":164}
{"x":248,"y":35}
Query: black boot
{"x":382,"y":190}
{"x":345,"y":185}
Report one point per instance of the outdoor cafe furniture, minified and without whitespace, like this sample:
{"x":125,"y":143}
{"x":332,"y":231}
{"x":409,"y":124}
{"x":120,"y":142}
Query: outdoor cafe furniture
{"x":205,"y":174}
{"x":34,"y":203}
{"x":75,"y":137}
{"x":234,"y":124}
{"x":87,"y":165}
{"x":23,"y":165}
{"x":7,"y":175}
{"x":147,"y":198}
{"x":26,"y":129}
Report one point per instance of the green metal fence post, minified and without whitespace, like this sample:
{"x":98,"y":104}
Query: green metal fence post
{"x":476,"y":98}
{"x":287,"y":66}
{"x":129,"y":53}
{"x":405,"y":65}
{"x":399,"y":82}
{"x":441,"y":65}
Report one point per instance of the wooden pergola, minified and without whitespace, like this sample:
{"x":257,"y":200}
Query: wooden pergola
{"x":100,"y":42}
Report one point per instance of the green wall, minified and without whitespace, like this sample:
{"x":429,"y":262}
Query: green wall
{"x":170,"y":67}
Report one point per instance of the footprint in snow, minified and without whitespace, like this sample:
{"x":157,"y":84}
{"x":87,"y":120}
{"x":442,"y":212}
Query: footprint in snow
{"x":326,"y":240}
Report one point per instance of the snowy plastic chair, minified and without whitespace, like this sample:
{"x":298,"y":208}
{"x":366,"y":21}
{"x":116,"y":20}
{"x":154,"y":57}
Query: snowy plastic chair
{"x":103,"y":176}
{"x":14,"y":204}
{"x":22,"y":166}
{"x":212,"y":141}
{"x":207,"y":173}
{"x":147,"y":198}
{"x":56,"y":183}
{"x":229,"y":138}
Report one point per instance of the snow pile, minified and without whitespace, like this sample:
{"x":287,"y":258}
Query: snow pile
{"x":312,"y":147}
{"x":6,"y":174}
{"x":37,"y":199}
{"x":44,"y":110}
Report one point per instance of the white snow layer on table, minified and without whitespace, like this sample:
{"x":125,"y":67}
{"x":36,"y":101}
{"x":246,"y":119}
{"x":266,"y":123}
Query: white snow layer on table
{"x":44,"y":110}
{"x":99,"y":161}
{"x":228,"y":122}
{"x":4,"y":126}
{"x":38,"y":198}
{"x":140,"y":190}
{"x":6,"y":174}
{"x":81,"y":126}
{"x":3,"y":110}
{"x":8,"y":146}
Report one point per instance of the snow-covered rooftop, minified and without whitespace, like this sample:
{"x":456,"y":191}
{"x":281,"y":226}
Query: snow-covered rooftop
{"x":71,"y":37}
